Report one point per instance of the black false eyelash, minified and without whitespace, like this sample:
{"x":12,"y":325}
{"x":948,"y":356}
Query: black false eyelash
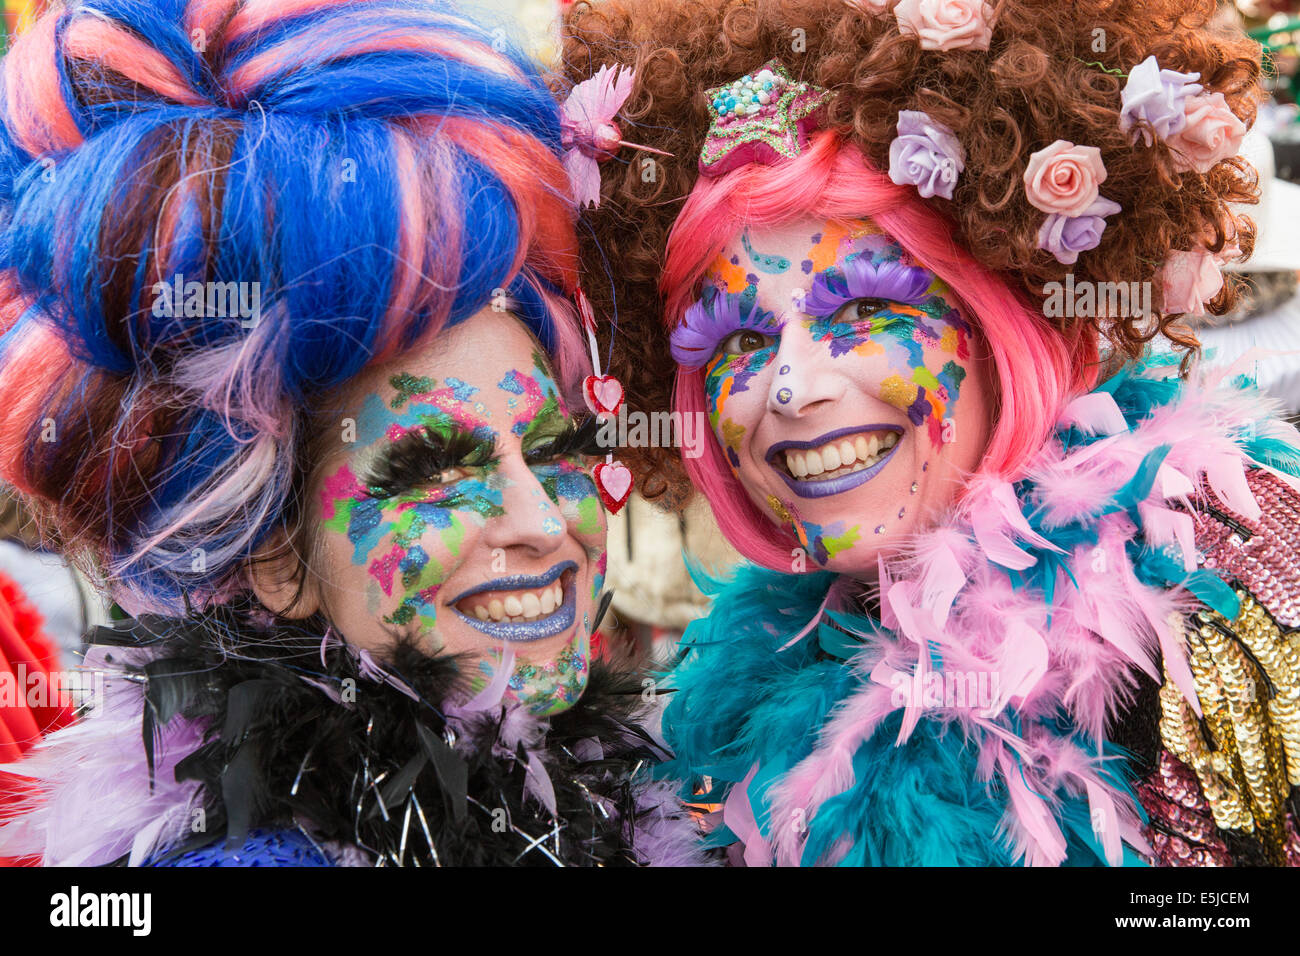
{"x":577,"y":438}
{"x":419,"y":456}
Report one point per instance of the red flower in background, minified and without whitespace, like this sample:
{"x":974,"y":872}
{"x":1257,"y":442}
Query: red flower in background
{"x":27,"y":657}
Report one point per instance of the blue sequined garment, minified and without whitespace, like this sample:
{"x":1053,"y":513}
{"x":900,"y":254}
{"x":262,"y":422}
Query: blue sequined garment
{"x":262,"y":848}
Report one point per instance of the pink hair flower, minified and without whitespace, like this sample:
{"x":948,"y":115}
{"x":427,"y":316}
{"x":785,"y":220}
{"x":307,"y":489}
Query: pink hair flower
{"x":1067,"y":236}
{"x":1189,"y":280}
{"x":947,"y":24}
{"x":926,"y":155}
{"x":1064,"y":179}
{"x":1212,"y":133}
{"x":1155,"y":99}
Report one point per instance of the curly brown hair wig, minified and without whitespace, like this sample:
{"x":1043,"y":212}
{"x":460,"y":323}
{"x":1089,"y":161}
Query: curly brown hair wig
{"x":1055,"y":70}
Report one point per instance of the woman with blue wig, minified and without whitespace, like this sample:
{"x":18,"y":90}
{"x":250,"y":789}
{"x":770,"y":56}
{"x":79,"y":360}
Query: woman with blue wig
{"x":289,"y":367}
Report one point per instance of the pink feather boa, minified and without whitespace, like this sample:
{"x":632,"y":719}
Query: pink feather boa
{"x":951,"y":594}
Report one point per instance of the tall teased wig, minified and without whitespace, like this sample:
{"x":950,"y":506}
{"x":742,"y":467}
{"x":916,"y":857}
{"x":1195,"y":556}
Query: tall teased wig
{"x":1042,"y":79}
{"x":376,"y":170}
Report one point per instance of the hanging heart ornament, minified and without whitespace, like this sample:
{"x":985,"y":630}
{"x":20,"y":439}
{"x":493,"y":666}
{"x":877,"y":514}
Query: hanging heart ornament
{"x":613,"y":484}
{"x":604,"y":394}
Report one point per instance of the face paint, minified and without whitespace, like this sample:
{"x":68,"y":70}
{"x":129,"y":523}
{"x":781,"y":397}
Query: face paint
{"x":823,"y":543}
{"x":457,"y":495}
{"x":553,"y":686}
{"x":411,"y":540}
{"x":853,"y":367}
{"x":772,"y":265}
{"x":905,"y":315}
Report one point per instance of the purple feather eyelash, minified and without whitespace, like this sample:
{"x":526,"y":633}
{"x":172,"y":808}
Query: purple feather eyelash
{"x":860,"y":278}
{"x":705,"y":326}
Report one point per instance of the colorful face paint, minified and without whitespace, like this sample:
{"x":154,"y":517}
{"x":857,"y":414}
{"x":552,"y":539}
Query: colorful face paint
{"x":552,"y":686}
{"x":827,"y":383}
{"x":409,"y":536}
{"x":903,"y":313}
{"x":461,"y":492}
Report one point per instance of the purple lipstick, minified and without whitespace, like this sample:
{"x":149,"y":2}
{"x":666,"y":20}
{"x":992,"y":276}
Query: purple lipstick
{"x":876,"y":443}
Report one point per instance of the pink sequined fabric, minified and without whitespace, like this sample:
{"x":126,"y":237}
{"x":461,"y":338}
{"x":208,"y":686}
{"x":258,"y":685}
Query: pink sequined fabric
{"x":1181,"y":829}
{"x":1267,"y":559}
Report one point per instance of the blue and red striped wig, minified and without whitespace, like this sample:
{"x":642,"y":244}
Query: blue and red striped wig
{"x":380,"y":169}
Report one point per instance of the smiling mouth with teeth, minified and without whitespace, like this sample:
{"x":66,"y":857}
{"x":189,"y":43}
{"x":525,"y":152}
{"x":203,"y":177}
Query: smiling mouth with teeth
{"x":517,"y":606}
{"x":842,"y":456}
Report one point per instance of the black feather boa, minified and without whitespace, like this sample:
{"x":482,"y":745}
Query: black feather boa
{"x":304,"y":732}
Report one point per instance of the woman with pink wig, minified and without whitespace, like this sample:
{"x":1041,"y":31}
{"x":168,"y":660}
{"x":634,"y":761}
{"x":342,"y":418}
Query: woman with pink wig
{"x":288,"y":356}
{"x":1018,"y":590}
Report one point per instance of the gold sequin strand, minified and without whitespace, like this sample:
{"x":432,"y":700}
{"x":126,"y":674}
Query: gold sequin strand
{"x":1245,"y":753}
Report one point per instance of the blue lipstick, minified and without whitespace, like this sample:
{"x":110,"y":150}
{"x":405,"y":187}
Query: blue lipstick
{"x":557,"y":622}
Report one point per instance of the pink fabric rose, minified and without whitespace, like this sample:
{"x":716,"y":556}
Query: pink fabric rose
{"x":1189,"y":280}
{"x":1064,"y":179}
{"x":1211,"y":134}
{"x":947,"y":24}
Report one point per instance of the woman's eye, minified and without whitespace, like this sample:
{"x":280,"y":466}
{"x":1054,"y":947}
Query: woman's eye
{"x":746,"y":340}
{"x":862,"y":309}
{"x":448,"y":475}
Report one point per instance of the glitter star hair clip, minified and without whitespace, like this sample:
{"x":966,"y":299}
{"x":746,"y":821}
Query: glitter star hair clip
{"x":764,"y":117}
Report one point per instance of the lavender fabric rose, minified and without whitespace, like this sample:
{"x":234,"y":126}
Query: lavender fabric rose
{"x":926,"y":155}
{"x":1067,"y":236}
{"x":1156,"y":97}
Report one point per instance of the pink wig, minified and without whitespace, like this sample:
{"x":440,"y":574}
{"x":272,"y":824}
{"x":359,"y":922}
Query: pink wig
{"x":1038,"y":366}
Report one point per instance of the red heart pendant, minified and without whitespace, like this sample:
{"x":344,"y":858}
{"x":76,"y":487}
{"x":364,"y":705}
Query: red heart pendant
{"x":613,"y":484}
{"x":604,"y":394}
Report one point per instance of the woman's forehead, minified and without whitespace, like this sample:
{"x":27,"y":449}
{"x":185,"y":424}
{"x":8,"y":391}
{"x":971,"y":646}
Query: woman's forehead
{"x":478,"y":350}
{"x":792,"y":254}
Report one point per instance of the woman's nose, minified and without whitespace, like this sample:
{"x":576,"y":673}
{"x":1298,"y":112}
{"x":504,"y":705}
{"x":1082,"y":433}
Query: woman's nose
{"x":803,"y":379}
{"x":531,"y":523}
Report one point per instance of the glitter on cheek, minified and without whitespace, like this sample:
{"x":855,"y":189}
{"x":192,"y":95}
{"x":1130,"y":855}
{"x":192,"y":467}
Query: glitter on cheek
{"x":384,"y":569}
{"x":410,"y":543}
{"x":732,"y":436}
{"x":573,"y":491}
{"x":896,"y":392}
{"x":551,"y":526}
